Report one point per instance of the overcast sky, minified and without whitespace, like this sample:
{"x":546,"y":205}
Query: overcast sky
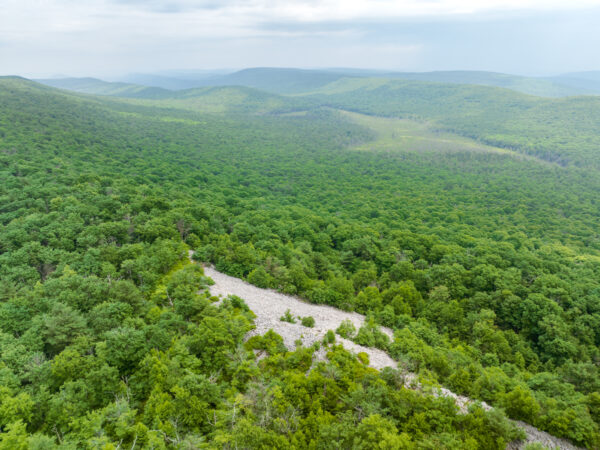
{"x":111,"y":37}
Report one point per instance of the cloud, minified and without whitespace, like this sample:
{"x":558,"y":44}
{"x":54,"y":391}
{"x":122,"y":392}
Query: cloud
{"x":174,"y":6}
{"x":121,"y":35}
{"x":342,"y":10}
{"x":22,"y":18}
{"x":33,"y":16}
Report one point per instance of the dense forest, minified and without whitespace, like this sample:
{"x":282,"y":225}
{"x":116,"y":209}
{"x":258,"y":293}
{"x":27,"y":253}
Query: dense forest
{"x":485,"y":264}
{"x":564,"y":131}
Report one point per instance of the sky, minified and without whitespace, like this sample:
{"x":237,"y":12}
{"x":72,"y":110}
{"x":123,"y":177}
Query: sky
{"x":109,"y":38}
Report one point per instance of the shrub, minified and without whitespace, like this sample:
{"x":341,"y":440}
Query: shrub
{"x":521,"y":404}
{"x":346,"y":329}
{"x":287,"y":317}
{"x":329,"y":337}
{"x":308,"y":321}
{"x":259,"y":277}
{"x":363,"y":358}
{"x":369,"y":335}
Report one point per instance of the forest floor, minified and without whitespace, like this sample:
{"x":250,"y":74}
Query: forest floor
{"x":269,"y":306}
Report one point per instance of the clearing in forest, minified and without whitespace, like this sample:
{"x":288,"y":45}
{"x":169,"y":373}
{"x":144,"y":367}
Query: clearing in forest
{"x":394,"y":134}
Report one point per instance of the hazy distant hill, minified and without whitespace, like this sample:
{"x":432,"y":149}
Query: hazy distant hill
{"x":295,"y":81}
{"x":232,"y":99}
{"x":301,"y":81}
{"x":584,"y":81}
{"x":173,"y":80}
{"x":213,"y":99}
{"x":592,"y":75}
{"x":552,"y":87}
{"x":99,"y":87}
{"x":277,"y":80}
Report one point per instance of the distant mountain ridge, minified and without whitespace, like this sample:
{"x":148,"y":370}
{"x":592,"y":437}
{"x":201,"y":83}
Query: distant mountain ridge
{"x":543,"y":87}
{"x":96,"y":86}
{"x":587,"y":81}
{"x":290,"y":81}
{"x":174,"y":80}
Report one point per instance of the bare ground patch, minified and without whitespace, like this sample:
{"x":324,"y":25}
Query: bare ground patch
{"x":270,"y":305}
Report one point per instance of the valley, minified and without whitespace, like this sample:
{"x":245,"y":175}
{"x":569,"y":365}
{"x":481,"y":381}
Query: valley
{"x":456,"y":223}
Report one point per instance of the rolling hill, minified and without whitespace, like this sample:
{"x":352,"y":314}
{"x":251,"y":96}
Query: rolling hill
{"x":543,"y":87}
{"x":277,"y":80}
{"x":484,"y":265}
{"x":174,"y":80}
{"x":297,"y":81}
{"x":564,"y":130}
{"x":95,"y":86}
{"x":585,"y":81}
{"x":294,"y":81}
{"x":558,"y":130}
{"x":231,"y":99}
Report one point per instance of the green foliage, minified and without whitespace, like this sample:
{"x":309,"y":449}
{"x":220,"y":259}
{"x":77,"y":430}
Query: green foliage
{"x":259,"y":277}
{"x":287,"y":317}
{"x":14,"y":438}
{"x":330,"y":338}
{"x":369,"y":335}
{"x":99,"y":87}
{"x":308,"y":321}
{"x":521,"y":404}
{"x":534,"y":446}
{"x":561,"y":131}
{"x":346,"y":329}
{"x":486,"y":266}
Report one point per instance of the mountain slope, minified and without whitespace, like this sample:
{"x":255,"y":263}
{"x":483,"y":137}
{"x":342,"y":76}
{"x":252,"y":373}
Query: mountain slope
{"x":98,"y":87}
{"x":485,"y":266}
{"x":210,"y":99}
{"x":277,"y":80}
{"x":542,"y":87}
{"x":297,"y":81}
{"x":294,"y":81}
{"x":269,"y":306}
{"x":231,"y":99}
{"x":173,"y":80}
{"x":565,"y":131}
{"x":585,"y":81}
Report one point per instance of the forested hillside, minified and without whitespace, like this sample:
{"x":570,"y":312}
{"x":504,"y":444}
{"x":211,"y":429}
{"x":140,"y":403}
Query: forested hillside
{"x":544,"y":87}
{"x":99,"y":87}
{"x":296,"y":81}
{"x":485,"y":265}
{"x":564,"y":131}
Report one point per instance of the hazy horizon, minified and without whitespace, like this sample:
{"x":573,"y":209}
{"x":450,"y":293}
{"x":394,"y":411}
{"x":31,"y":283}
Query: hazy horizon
{"x":197,"y":73}
{"x":112,"y":38}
